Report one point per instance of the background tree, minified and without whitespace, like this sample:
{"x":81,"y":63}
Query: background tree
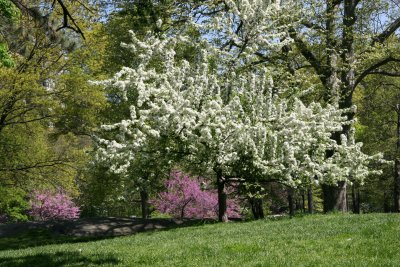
{"x":41,"y":131}
{"x":343,"y":42}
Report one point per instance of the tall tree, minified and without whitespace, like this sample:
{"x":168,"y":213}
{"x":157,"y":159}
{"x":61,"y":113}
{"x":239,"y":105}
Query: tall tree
{"x":343,"y":42}
{"x":42,"y":97}
{"x":219,"y":112}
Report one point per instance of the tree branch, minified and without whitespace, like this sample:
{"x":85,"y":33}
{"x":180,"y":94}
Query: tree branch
{"x":386,"y":73}
{"x":372,"y":68}
{"x":311,"y":25}
{"x":43,"y":20}
{"x":387,"y":32}
{"x":309,"y":55}
{"x":42,"y":164}
{"x":66,"y":17}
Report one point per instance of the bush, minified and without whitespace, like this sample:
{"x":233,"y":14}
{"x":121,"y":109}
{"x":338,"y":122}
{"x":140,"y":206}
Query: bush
{"x":13,"y":205}
{"x":47,"y":205}
{"x":186,"y":199}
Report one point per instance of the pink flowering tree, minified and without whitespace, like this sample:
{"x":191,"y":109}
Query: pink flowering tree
{"x":188,"y":197}
{"x":47,"y":205}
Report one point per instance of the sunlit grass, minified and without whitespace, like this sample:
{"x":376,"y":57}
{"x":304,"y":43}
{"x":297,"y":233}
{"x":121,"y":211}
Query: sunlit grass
{"x":319,"y":240}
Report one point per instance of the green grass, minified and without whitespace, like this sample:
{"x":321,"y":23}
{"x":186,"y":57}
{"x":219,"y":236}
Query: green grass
{"x":320,"y":240}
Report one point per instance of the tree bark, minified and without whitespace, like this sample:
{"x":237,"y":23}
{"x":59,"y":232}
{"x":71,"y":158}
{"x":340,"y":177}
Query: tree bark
{"x":257,"y":208}
{"x":144,"y":201}
{"x":222,"y":207}
{"x":335,"y":197}
{"x":291,"y":201}
{"x":396,"y":188}
{"x":386,"y":202}
{"x":396,"y":193}
{"x":310,"y":200}
{"x":355,"y":195}
{"x":260,"y":208}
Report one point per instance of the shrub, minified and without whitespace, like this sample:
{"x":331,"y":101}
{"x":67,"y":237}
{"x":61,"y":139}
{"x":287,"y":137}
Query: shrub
{"x":13,"y":205}
{"x":185,"y":198}
{"x":47,"y":205}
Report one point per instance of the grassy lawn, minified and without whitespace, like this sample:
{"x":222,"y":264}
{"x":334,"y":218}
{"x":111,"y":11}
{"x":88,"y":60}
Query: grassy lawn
{"x":319,"y":240}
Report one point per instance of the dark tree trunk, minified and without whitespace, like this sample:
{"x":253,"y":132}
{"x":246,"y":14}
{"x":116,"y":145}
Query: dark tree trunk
{"x":310,"y":200}
{"x":396,"y":188}
{"x":144,"y":201}
{"x":260,"y":208}
{"x":386,"y":202}
{"x":257,"y":208}
{"x":222,"y":207}
{"x":291,"y":201}
{"x":355,"y":195}
{"x":396,"y":193}
{"x":297,"y":204}
{"x":303,"y":202}
{"x":335,"y":197}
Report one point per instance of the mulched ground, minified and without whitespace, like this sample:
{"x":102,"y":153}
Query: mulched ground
{"x":97,"y":227}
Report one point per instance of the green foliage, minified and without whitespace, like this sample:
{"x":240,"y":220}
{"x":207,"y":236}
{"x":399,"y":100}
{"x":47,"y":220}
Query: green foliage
{"x":13,"y":204}
{"x":139,"y":16}
{"x":8,"y":10}
{"x":377,"y":103}
{"x":107,"y":194}
{"x":5,"y":58}
{"x":48,"y":107}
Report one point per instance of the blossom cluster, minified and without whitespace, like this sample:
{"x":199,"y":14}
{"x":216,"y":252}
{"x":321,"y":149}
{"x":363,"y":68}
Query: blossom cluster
{"x":188,"y":197}
{"x":47,"y":205}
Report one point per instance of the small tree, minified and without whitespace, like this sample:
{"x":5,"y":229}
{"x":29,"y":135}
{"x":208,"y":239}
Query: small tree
{"x":47,"y":205}
{"x":188,"y":197}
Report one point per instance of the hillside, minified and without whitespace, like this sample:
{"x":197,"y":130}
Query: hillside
{"x":319,"y":240}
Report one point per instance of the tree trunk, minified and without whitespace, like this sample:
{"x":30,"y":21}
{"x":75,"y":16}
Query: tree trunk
{"x":310,"y":200}
{"x":253,"y":208}
{"x":396,"y":188}
{"x":291,"y":201}
{"x":144,"y":201}
{"x":341,"y":90}
{"x":396,"y":193}
{"x":257,"y":208}
{"x":222,"y":207}
{"x":355,"y":195}
{"x":335,"y":197}
{"x":260,"y":209}
{"x":386,"y":202}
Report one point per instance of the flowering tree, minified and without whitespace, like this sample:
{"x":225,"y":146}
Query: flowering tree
{"x":47,"y":205}
{"x":187,"y":197}
{"x":223,"y":112}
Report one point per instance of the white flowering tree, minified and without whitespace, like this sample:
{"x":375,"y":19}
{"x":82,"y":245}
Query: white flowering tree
{"x":222,"y":113}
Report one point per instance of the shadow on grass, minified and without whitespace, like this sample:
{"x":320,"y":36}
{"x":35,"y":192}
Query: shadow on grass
{"x":40,"y":237}
{"x":91,"y":230}
{"x":59,"y":259}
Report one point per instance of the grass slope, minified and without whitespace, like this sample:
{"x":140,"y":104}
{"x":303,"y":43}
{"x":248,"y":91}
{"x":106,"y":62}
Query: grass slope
{"x":319,"y":240}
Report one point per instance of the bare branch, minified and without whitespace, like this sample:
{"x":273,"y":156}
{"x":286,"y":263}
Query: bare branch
{"x":387,"y":32}
{"x":309,"y":55}
{"x":385,"y":73}
{"x":37,"y":165}
{"x":66,"y":17}
{"x":311,"y":25}
{"x":373,"y":68}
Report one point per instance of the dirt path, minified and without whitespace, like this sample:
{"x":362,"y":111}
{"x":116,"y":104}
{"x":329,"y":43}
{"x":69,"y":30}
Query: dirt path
{"x":91,"y":227}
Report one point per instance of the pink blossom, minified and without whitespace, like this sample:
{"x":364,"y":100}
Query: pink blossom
{"x":185,"y":198}
{"x":47,"y":205}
